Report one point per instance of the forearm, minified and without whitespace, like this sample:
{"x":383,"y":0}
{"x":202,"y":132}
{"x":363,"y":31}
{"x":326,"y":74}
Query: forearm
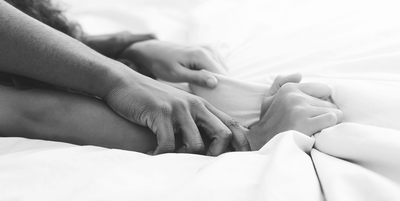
{"x":40,"y":52}
{"x":118,"y":46}
{"x":112,"y":45}
{"x":67,"y":117}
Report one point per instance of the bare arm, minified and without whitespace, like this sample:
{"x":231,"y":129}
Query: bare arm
{"x":112,"y":45}
{"x":66,"y":117}
{"x":35,"y":50}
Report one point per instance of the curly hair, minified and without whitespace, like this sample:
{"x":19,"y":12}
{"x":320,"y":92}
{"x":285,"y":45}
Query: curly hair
{"x":50,"y":14}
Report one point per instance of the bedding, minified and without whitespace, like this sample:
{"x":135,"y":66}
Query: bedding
{"x":351,"y":45}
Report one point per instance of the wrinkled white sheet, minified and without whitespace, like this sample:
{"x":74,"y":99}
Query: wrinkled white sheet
{"x":352,"y":45}
{"x":42,"y":171}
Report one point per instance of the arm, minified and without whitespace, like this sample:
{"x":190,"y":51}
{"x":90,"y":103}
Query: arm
{"x":114,"y":45}
{"x":175,"y":63}
{"x":153,"y":58}
{"x":66,"y":117}
{"x":37,"y":51}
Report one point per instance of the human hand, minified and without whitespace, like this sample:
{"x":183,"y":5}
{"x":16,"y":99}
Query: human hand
{"x":293,"y":106}
{"x":175,"y":63}
{"x":168,"y":111}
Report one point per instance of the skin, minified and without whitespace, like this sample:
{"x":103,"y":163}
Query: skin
{"x":67,"y":117}
{"x":116,"y":45}
{"x":58,"y":115}
{"x":147,"y":56}
{"x":290,"y":105}
{"x":166,"y":111}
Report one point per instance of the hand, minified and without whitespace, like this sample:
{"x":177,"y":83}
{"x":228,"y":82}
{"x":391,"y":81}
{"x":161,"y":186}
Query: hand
{"x":168,"y":111}
{"x":301,"y":107}
{"x":175,"y":63}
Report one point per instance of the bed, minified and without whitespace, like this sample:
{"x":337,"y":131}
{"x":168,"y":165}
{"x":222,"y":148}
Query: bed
{"x":351,"y":45}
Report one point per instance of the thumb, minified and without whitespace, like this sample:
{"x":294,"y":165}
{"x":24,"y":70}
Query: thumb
{"x":199,"y":77}
{"x":281,"y":80}
{"x":317,"y":90}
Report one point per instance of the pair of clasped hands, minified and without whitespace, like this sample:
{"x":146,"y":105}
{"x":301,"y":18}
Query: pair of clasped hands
{"x":170,"y":112}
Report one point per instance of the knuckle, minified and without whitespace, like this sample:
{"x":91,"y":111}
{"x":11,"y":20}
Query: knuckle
{"x":166,"y":109}
{"x":294,"y":99}
{"x":196,"y":102}
{"x":167,"y":147}
{"x":279,"y":78}
{"x":197,"y":52}
{"x":180,"y":104}
{"x":288,"y":87}
{"x":198,"y":147}
{"x":226,"y":134}
{"x":331,"y":119}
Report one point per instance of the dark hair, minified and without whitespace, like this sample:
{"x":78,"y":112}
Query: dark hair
{"x":50,"y":14}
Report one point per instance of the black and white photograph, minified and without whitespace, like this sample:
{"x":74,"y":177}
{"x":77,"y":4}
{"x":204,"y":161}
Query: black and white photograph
{"x":199,"y":100}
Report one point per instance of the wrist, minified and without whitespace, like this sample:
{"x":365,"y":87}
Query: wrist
{"x":114,"y":76}
{"x":124,"y":80}
{"x":257,"y":137}
{"x":136,"y":53}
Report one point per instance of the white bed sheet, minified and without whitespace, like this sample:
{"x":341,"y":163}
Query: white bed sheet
{"x":352,"y":45}
{"x":92,"y":173}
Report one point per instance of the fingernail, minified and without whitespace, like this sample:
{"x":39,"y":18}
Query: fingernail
{"x":212,"y":82}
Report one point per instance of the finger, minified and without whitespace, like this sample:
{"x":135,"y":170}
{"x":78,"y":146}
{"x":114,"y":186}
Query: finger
{"x":317,"y":90}
{"x":213,"y":126}
{"x":202,"y":59}
{"x":219,"y":145}
{"x":165,"y":138}
{"x":317,"y":111}
{"x":321,"y":103}
{"x":216,"y":131}
{"x":323,"y":121}
{"x":199,"y":77}
{"x":239,"y":141}
{"x":218,"y":58}
{"x":127,"y":63}
{"x":281,"y":80}
{"x":192,"y":142}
